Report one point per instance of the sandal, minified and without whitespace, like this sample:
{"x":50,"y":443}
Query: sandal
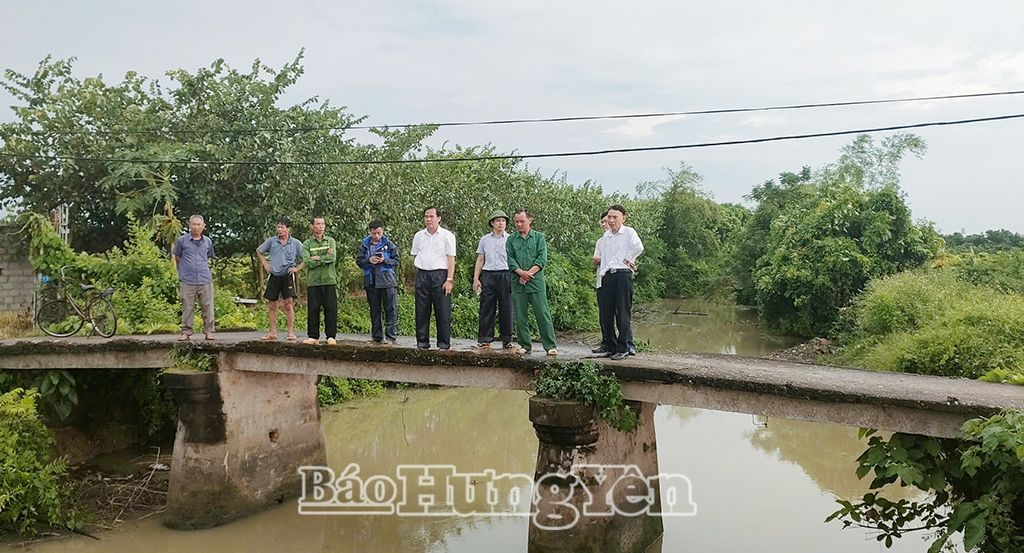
{"x":210,"y":337}
{"x":292,"y":337}
{"x":269,"y":338}
{"x":184,"y":337}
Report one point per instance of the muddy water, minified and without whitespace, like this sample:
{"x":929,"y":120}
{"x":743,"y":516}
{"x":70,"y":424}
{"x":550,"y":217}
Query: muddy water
{"x":758,"y":485}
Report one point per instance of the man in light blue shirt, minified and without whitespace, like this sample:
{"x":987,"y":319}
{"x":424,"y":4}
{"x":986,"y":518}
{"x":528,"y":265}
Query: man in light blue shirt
{"x":192,"y":253}
{"x":281,"y":256}
{"x":492,"y":282}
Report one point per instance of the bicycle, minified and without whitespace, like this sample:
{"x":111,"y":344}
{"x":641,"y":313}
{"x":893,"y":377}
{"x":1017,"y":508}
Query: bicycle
{"x":65,"y":316}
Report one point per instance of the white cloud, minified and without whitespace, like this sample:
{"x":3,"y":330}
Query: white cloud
{"x":635,"y":129}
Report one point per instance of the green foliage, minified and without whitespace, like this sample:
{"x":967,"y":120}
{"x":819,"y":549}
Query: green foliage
{"x":694,"y":239}
{"x":331,"y":390}
{"x":47,"y":250}
{"x":57,"y":389}
{"x":974,"y":486}
{"x":32,"y":493}
{"x":933,"y":323}
{"x":186,"y":358}
{"x":834,"y":231}
{"x":1002,"y":271}
{"x":570,"y":288}
{"x":772,"y":200}
{"x":989,"y":241}
{"x":582,"y":381}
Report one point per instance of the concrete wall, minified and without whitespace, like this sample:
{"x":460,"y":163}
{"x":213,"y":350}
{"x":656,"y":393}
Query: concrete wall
{"x":572,"y":443}
{"x":17,"y":280}
{"x":271,"y":427}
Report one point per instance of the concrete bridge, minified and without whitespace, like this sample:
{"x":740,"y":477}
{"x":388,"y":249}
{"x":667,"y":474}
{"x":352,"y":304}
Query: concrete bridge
{"x":245,"y":428}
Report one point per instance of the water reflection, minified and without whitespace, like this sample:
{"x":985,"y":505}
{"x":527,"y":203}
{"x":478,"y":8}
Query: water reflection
{"x":700,"y":326}
{"x":826,"y":452}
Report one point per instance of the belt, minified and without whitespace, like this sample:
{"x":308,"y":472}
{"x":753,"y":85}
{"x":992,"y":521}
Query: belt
{"x":494,"y":271}
{"x":613,"y":271}
{"x":431,"y":270}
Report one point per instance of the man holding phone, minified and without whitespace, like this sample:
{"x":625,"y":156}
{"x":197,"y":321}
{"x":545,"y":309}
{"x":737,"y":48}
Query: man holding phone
{"x":378,"y":257}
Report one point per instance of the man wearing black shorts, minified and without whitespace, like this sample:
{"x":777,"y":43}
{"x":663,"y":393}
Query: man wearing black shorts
{"x":281,"y":256}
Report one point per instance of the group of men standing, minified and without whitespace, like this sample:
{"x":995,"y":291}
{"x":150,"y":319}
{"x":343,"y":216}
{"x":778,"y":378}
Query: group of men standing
{"x":508,"y":277}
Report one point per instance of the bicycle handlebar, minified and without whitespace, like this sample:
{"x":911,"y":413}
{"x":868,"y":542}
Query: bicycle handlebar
{"x":62,"y":276}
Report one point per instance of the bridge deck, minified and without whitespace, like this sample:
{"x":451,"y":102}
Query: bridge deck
{"x":894,"y":401}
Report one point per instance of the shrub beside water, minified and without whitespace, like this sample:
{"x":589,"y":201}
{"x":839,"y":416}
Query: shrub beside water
{"x":932,"y":322}
{"x":31,"y":492}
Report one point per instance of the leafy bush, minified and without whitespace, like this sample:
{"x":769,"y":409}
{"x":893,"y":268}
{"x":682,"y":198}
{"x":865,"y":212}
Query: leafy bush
{"x":31,"y":490}
{"x":331,"y":390}
{"x":582,"y":381}
{"x":571,"y":297}
{"x":931,"y":323}
{"x":816,"y":239}
{"x":1002,"y":271}
{"x":906,"y":302}
{"x":974,"y":486}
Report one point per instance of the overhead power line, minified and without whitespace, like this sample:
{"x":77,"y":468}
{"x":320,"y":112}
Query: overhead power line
{"x":699,"y":112}
{"x":527,"y":156}
{"x":298,"y":129}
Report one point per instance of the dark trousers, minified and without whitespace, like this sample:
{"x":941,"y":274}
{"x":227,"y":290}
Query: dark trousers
{"x":495,"y":292}
{"x":383,"y":309}
{"x":601,"y":313}
{"x":430,"y":295}
{"x":326,"y":298}
{"x":616,"y":309}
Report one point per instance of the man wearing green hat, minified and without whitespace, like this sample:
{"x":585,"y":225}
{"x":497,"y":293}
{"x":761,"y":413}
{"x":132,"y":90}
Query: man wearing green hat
{"x":492,"y":282}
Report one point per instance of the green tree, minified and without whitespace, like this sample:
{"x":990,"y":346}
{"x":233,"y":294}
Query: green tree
{"x":847,"y":225}
{"x":699,"y":235}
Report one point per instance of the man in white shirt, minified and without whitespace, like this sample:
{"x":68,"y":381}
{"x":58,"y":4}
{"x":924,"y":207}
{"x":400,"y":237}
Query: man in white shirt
{"x":433,"y":249}
{"x":617,"y":251}
{"x":606,"y":349}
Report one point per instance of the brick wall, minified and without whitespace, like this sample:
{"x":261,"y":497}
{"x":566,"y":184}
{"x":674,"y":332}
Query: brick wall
{"x":17,"y":280}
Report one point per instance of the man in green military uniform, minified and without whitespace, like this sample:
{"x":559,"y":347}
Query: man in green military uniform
{"x":527,"y":254}
{"x":319,"y":254}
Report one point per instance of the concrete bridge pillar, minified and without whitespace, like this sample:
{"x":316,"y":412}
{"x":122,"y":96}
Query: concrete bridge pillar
{"x":590,"y":487}
{"x":241,"y":438}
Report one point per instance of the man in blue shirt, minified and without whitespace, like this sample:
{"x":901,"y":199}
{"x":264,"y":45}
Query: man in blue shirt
{"x":192,"y":253}
{"x":281,"y":256}
{"x":378,"y":257}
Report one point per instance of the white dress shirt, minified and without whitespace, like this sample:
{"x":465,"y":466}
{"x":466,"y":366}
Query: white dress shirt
{"x":431,"y":251}
{"x":616,"y":248}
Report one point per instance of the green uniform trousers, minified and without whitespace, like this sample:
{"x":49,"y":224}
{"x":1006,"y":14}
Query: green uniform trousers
{"x":521,"y":301}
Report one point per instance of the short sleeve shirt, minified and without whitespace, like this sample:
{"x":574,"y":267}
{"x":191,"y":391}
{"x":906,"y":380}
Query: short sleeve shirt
{"x":615,"y":248}
{"x":432,"y":250}
{"x":282,"y":256}
{"x":493,"y":249}
{"x":193,"y":259}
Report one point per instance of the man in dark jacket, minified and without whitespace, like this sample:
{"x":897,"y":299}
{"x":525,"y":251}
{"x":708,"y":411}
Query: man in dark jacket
{"x":378,"y":257}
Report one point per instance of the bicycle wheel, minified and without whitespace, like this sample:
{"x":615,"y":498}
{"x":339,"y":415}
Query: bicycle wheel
{"x":57,"y":318}
{"x":103,"y":316}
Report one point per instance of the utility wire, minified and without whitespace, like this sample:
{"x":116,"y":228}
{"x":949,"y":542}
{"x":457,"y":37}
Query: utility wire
{"x":526,"y":156}
{"x":550,"y":119}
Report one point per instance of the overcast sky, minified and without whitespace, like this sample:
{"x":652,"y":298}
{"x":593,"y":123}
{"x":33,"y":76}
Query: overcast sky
{"x":415,"y":61}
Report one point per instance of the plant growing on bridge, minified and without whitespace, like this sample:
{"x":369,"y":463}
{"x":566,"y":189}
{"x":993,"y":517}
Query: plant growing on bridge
{"x":31,"y":493}
{"x":186,"y":358}
{"x":975,"y":486}
{"x":582,"y":381}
